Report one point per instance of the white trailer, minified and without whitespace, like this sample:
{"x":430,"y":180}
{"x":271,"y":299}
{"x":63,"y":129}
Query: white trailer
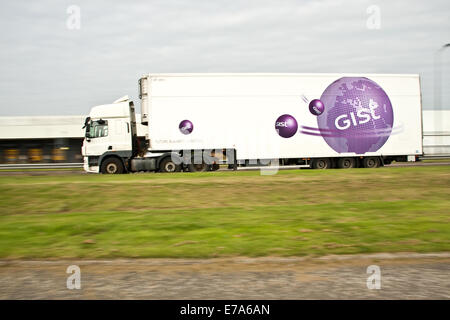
{"x":323,"y":120}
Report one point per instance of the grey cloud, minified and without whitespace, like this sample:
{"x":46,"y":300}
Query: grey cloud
{"x":48,"y":69}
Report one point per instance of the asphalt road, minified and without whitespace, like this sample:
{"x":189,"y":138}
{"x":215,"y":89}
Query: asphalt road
{"x":403,"y":276}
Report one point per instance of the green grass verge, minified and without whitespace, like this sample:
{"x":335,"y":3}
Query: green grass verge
{"x":292,"y":213}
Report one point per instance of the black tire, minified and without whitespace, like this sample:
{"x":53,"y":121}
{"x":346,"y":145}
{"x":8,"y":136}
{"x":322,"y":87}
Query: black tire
{"x":201,"y":167}
{"x":371,"y":162}
{"x":112,"y":166}
{"x":321,"y":163}
{"x":215,"y":167}
{"x":346,"y":163}
{"x":167,"y":165}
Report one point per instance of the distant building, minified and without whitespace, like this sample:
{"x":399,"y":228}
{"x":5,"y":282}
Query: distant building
{"x":47,"y":139}
{"x":41,"y":139}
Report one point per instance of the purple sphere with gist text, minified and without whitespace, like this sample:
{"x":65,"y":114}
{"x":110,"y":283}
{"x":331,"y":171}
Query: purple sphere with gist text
{"x":358,"y":115}
{"x":286,"y":126}
{"x":316,"y":107}
{"x":186,"y":127}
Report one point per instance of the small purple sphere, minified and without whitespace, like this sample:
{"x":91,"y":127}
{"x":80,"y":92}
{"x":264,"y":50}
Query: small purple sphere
{"x":286,"y":126}
{"x":316,"y":107}
{"x":186,"y":127}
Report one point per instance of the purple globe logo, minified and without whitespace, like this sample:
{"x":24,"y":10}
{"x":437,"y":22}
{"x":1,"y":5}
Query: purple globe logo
{"x":358,"y":116}
{"x":316,"y":107}
{"x":186,"y":127}
{"x":286,"y":125}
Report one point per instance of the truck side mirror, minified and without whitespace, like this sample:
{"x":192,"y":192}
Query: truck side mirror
{"x":86,"y":122}
{"x":88,"y":131}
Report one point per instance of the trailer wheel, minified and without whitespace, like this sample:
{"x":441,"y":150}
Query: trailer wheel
{"x":167,"y":165}
{"x":215,"y":167}
{"x":322,"y":163}
{"x":346,"y":163}
{"x":112,"y":166}
{"x":200,"y":167}
{"x":371,"y":162}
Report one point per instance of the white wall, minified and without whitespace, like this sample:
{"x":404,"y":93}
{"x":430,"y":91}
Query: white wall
{"x":436,"y":132}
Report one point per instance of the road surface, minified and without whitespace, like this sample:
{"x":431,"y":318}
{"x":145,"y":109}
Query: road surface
{"x":403,"y":276}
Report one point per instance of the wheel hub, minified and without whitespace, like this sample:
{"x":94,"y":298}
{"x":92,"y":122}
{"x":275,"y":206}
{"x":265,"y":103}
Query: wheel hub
{"x":170,"y":167}
{"x":111,"y":168}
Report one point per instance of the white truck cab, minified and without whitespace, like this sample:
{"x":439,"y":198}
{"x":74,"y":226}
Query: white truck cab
{"x":109,"y":135}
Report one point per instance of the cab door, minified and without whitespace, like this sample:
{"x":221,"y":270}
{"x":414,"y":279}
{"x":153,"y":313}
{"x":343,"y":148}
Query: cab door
{"x":97,"y":139}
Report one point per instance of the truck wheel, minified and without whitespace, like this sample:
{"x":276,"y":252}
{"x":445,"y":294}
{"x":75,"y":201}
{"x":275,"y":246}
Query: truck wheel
{"x":215,"y":167}
{"x":167,"y":165}
{"x":322,"y":163}
{"x":112,"y":166}
{"x":198,"y":167}
{"x":346,"y":163}
{"x":371,"y":162}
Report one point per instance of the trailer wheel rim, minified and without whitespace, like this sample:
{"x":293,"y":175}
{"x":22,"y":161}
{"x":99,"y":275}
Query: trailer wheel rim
{"x":111,"y":168}
{"x":371,"y":163}
{"x":347,"y":163}
{"x":321,"y":164}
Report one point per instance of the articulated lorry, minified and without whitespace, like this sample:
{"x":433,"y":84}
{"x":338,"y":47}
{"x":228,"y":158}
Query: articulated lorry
{"x":196,"y":122}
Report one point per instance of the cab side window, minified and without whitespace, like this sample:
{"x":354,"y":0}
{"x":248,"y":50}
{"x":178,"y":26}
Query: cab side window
{"x":98,"y":129}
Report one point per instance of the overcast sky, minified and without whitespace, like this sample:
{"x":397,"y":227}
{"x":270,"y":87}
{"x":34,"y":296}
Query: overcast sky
{"x":49,"y":69}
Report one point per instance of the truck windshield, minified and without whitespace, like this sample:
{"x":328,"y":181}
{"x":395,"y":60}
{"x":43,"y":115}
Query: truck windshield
{"x":97,"y":129}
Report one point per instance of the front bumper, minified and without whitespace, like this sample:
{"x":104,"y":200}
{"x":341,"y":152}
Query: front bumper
{"x":90,"y":169}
